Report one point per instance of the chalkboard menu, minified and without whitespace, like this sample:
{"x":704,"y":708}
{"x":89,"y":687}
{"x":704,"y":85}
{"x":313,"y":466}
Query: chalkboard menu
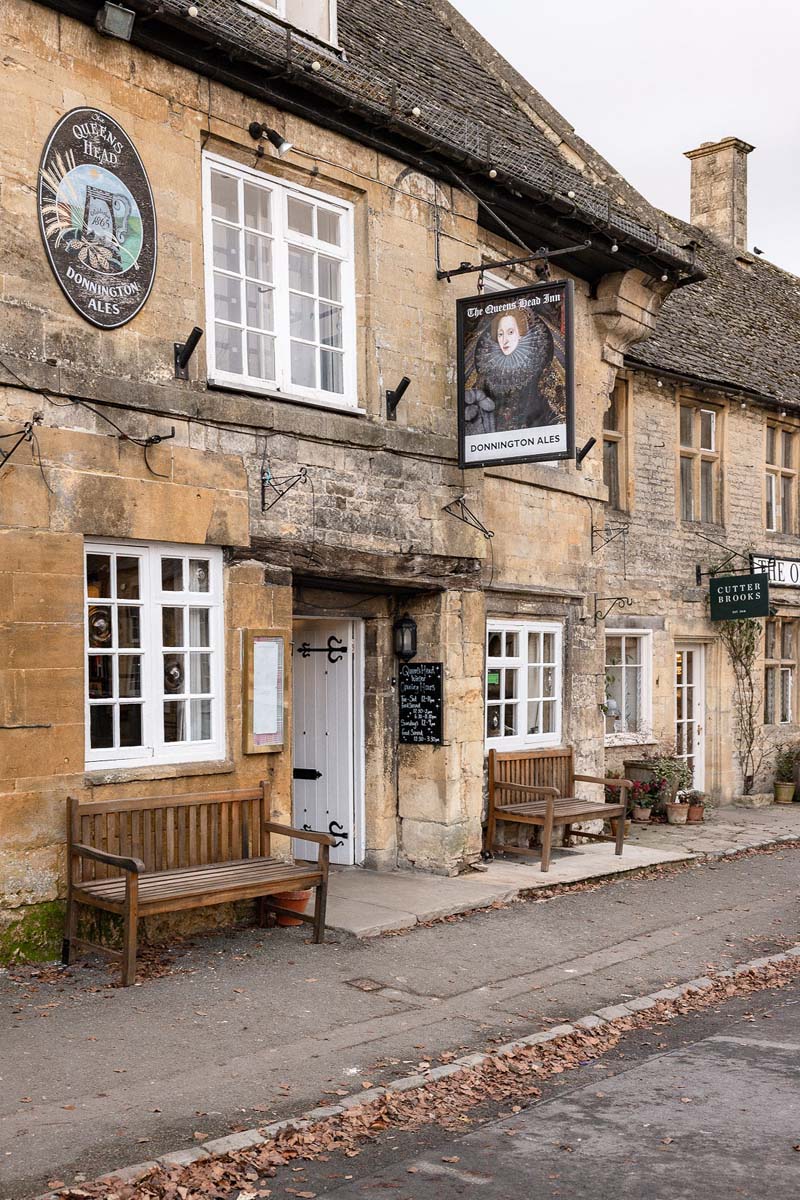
{"x":421,"y":704}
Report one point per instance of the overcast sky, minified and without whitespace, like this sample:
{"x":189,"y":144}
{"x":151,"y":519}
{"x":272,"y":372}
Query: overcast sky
{"x":644,"y":81}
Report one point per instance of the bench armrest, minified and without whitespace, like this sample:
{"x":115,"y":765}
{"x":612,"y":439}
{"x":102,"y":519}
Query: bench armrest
{"x":627,"y":784}
{"x":306,"y":835}
{"x":113,"y":860}
{"x":527,"y":787}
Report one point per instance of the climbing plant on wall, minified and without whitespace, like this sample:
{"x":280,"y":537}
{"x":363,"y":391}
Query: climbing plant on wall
{"x":741,"y":640}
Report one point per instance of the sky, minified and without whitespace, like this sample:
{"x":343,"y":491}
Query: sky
{"x":644,"y":80}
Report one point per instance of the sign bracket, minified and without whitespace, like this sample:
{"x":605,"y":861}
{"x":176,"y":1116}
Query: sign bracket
{"x":541,"y":255}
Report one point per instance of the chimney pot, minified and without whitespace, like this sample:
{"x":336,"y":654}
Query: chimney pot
{"x":719,"y":189}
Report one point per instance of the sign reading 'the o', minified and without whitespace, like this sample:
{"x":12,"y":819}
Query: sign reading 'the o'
{"x":783,"y":572}
{"x":97,"y":217}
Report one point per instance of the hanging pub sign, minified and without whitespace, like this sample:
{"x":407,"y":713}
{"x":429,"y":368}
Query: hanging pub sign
{"x":97,"y":217}
{"x":516,"y":376}
{"x":783,"y":572}
{"x":734,"y":597}
{"x":420,"y":694}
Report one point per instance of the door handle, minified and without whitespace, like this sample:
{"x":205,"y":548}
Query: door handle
{"x":306,"y":773}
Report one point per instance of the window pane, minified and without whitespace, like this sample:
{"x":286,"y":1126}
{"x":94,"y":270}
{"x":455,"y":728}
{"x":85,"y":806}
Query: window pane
{"x":129,"y":633}
{"x":101,"y":726}
{"x":787,"y":505}
{"x":130,"y":725}
{"x":787,"y":639}
{"x":300,"y":216}
{"x":172,"y":574}
{"x":330,"y":283}
{"x":786,"y":695}
{"x":512,"y":645}
{"x":172,"y":626}
{"x":224,"y":197}
{"x":301,"y":270}
{"x":534,"y":682}
{"x":101,"y":677}
{"x":174,"y":721}
{"x":200,"y":720}
{"x":510,"y":684}
{"x":611,"y":415}
{"x":332,"y":372}
{"x":548,"y":681}
{"x":632,"y":697}
{"x":548,"y":647}
{"x":174,"y":673}
{"x":98,"y":576}
{"x":227,"y":298}
{"x":611,"y":472}
{"x":130,"y":675}
{"x":261,"y":356}
{"x":198,"y":574}
{"x":258,"y":257}
{"x":228,"y":349}
{"x":495,"y":646}
{"x":330,"y":325}
{"x":100,"y":629}
{"x":493,"y":720}
{"x":770,"y":513}
{"x":328,"y":226}
{"x":199,"y":627}
{"x":510,"y":720}
{"x":548,"y":717}
{"x":127,"y":577}
{"x":493,"y":685}
{"x":226,"y":247}
{"x":687,"y":490}
{"x":304,"y":365}
{"x":707,"y":491}
{"x":302,"y":317}
{"x":769,"y":696}
{"x":707,"y":429}
{"x":687,"y":426}
{"x":535,"y":717}
{"x":769,"y":639}
{"x":788,"y":448}
{"x":257,"y":208}
{"x":260,"y":306}
{"x":200,"y":673}
{"x":771,"y":431}
{"x":633,"y":650}
{"x":613,"y":651}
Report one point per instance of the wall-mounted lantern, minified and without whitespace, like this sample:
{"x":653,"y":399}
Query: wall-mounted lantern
{"x":405,"y":637}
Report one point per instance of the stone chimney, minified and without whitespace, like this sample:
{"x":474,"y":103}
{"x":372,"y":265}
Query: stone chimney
{"x":719,"y":189}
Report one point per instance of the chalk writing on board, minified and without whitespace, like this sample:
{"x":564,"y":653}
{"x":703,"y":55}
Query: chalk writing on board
{"x":421,"y":704}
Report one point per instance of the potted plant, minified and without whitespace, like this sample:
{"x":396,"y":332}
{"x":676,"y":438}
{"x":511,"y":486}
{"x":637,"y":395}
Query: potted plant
{"x":785,"y":761}
{"x":696,"y":802}
{"x":642,"y":801}
{"x":677,"y":810}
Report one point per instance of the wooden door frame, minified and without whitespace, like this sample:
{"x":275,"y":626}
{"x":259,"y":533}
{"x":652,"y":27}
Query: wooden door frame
{"x":683,"y":645}
{"x":358,"y":749}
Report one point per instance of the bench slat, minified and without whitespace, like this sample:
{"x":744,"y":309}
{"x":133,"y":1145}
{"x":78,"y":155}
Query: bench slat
{"x":196,"y":881}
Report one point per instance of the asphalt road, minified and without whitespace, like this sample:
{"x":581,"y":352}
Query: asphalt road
{"x":256,"y":1025}
{"x":714,"y":1111}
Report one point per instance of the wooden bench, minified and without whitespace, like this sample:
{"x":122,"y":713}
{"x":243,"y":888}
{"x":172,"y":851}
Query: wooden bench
{"x":537,"y":787}
{"x":165,"y":854}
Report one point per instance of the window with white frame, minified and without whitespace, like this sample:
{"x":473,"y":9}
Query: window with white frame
{"x":780,"y":665}
{"x":317,"y":17}
{"x":627,"y":699}
{"x":154,"y":669}
{"x":523,"y":684}
{"x":781,"y":480}
{"x":699,"y":464}
{"x":279,"y":286}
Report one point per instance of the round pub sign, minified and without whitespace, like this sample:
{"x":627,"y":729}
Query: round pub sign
{"x":97,"y":217}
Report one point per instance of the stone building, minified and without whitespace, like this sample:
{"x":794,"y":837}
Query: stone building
{"x":702,"y":458}
{"x":151,"y":523}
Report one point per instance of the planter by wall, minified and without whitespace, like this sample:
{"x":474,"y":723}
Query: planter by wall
{"x":695,"y":814}
{"x":677,"y":814}
{"x":296,"y":901}
{"x":784,"y":792}
{"x":641,"y":816}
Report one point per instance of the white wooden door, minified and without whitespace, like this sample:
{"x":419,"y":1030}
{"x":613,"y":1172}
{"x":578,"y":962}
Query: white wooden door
{"x":690,"y":706}
{"x":323,"y":734}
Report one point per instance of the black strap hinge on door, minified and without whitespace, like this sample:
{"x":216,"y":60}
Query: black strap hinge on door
{"x":306,"y":773}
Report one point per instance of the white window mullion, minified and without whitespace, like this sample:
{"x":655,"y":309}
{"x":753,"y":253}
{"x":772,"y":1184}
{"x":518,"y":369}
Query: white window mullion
{"x":282,"y":330}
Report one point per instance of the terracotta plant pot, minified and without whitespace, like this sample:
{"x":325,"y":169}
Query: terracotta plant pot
{"x":641,"y":816}
{"x":784,"y":793}
{"x":613,"y":823}
{"x":296,"y":901}
{"x":695,"y":814}
{"x":677,"y":814}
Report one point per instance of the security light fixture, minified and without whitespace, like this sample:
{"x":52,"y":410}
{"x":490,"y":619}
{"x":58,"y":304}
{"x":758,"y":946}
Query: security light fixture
{"x":183,"y":351}
{"x":259,"y":130}
{"x":115,"y":21}
{"x":394,"y":398}
{"x":405,"y":637}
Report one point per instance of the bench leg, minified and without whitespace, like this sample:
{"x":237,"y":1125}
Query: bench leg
{"x":547,"y":841}
{"x":70,"y":930}
{"x":129,"y":931}
{"x":491,"y":829}
{"x":567,"y":839}
{"x":320,"y":905}
{"x":620,"y":834}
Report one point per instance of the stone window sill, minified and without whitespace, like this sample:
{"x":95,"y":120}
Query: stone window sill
{"x":132,"y":774}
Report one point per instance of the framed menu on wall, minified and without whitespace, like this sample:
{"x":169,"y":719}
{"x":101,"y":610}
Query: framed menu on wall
{"x":264,"y":683}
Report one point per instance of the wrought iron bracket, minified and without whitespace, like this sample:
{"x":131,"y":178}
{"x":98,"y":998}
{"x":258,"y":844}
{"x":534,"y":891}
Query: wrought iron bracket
{"x":22,"y":435}
{"x":335,"y":649}
{"x":279,"y":487}
{"x":459,"y":509}
{"x":540,"y":255}
{"x":604,"y":535}
{"x":613,"y":602}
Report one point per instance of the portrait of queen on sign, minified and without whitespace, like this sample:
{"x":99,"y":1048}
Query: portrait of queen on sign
{"x":515,"y":376}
